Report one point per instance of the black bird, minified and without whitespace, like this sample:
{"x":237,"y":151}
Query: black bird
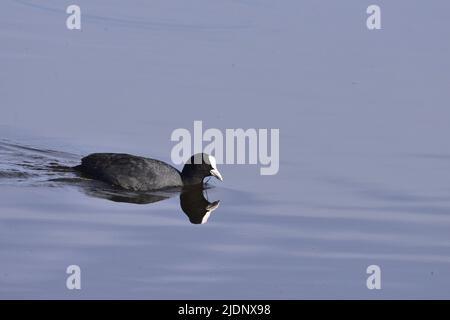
{"x":144,"y":174}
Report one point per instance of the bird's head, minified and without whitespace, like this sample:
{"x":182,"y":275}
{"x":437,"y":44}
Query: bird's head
{"x":198,"y":167}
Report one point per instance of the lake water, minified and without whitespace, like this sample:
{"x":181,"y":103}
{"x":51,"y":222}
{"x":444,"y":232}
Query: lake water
{"x":364,"y":122}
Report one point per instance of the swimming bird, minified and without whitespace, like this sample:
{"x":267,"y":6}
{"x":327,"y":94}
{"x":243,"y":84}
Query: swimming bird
{"x":144,"y":174}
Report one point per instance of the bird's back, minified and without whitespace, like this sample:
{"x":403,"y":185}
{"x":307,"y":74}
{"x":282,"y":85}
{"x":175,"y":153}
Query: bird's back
{"x":130,"y":172}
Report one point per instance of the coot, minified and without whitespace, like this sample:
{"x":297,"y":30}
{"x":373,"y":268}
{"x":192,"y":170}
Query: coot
{"x":144,"y":174}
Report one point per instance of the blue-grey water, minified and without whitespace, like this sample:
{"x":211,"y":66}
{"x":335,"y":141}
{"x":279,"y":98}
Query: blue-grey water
{"x":364,"y":123}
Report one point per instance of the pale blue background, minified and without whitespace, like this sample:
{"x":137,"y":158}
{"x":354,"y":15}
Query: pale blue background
{"x":364,"y":121}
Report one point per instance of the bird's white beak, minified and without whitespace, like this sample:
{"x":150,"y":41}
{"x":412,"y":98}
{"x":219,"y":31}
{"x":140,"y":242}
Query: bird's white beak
{"x":216,"y":173}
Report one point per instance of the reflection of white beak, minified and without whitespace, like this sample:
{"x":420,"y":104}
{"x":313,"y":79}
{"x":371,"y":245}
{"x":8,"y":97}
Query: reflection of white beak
{"x":216,"y":174}
{"x":209,"y":209}
{"x":212,"y":206}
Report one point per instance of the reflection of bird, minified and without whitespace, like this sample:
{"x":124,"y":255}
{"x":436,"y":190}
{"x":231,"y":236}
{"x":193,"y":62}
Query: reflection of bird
{"x":196,"y":207}
{"x":192,"y":201}
{"x":143,"y":174}
{"x":99,"y":189}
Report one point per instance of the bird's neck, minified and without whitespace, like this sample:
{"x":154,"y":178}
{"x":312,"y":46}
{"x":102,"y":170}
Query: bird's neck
{"x":191,"y":180}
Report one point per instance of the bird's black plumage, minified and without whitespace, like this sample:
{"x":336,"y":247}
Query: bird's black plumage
{"x":143,"y":174}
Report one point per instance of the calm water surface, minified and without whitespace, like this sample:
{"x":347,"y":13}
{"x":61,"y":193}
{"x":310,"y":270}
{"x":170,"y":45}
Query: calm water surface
{"x":364,"y":154}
